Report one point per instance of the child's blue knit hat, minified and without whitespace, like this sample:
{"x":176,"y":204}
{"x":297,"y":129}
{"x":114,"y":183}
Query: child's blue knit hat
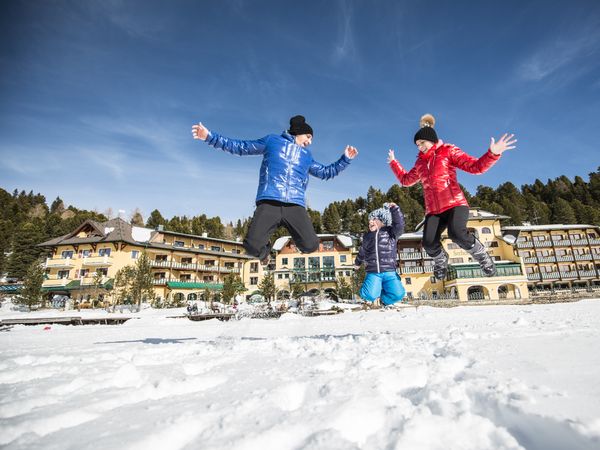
{"x":382,"y":214}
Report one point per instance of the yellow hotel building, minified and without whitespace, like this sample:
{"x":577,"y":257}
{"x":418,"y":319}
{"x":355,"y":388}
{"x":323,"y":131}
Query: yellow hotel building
{"x":465,"y":280}
{"x":316,"y":272}
{"x":559,"y":256}
{"x":184,"y":265}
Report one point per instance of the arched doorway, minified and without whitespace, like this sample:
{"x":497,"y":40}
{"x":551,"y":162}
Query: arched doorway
{"x":477,"y":293}
{"x":192,"y":297}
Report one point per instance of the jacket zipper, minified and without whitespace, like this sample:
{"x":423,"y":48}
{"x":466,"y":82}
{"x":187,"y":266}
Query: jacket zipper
{"x":377,"y":249}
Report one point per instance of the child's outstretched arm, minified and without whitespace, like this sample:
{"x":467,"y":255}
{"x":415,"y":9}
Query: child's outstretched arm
{"x":480,"y":165}
{"x":397,"y":219}
{"x":405,"y":178}
{"x":233,"y":146}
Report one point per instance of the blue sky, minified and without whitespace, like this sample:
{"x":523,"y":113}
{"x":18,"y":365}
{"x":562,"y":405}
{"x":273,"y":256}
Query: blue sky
{"x":97,"y":98}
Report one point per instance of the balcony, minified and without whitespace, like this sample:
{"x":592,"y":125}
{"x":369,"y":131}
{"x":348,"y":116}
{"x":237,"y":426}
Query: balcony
{"x":596,"y":256}
{"x":184,"y":266}
{"x":550,"y":275}
{"x":97,"y":260}
{"x":163,"y":264}
{"x":425,"y":255}
{"x":546,"y":259}
{"x":229,"y":270}
{"x":525,"y":244}
{"x":594,"y":241}
{"x":543,"y":243}
{"x":587,"y":273}
{"x":55,"y":282}
{"x":211,"y":268}
{"x":530,"y":260}
{"x":579,"y":242}
{"x":410,"y":255}
{"x":89,"y":281}
{"x":474,"y":271}
{"x":565,"y":258}
{"x":561,"y":242}
{"x":411,"y":269}
{"x":59,"y":263}
{"x":161,"y":281}
{"x":534,"y":277}
{"x":569,"y":274}
{"x":584,"y":257}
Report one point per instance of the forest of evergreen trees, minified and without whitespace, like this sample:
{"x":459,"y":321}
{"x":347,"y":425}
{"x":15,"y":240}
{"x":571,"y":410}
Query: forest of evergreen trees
{"x":27,"y":220}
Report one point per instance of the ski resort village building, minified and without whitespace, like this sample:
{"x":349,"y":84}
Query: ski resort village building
{"x":528,"y":258}
{"x":183,"y":265}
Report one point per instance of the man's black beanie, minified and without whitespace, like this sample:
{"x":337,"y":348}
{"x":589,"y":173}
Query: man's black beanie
{"x":298,"y":126}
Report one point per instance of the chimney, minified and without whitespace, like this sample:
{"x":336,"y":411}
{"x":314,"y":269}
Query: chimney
{"x":160,"y":227}
{"x":205,"y":234}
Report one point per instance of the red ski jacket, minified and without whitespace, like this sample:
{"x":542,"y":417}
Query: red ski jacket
{"x":436,"y":169}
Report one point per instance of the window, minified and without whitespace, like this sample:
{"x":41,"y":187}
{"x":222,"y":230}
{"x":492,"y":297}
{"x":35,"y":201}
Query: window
{"x":160,"y":258}
{"x":279,"y":276}
{"x":343,"y":258}
{"x":229,"y":265}
{"x":313,"y":262}
{"x":209,"y":262}
{"x":135,"y":254}
{"x":328,"y":262}
{"x":408,"y":250}
{"x":160,"y":275}
{"x":328,"y":245}
{"x":486,"y":230}
{"x":539,"y":238}
{"x":67,"y":254}
{"x":85,"y":253}
{"x":576,"y":236}
{"x":557,"y":237}
{"x":529,"y":269}
{"x":186,"y":260}
{"x":84,"y":272}
{"x":347,"y":273}
{"x":592,"y":235}
{"x":456,"y":260}
{"x":253,"y":281}
{"x":215,"y":248}
{"x":299,"y":263}
{"x":253,"y":267}
{"x":493,"y":244}
{"x":186,"y":277}
{"x":102,"y":271}
{"x":284,"y":261}
{"x":178,"y":244}
{"x":286,"y":276}
{"x":407,"y":280}
{"x":208,"y":278}
{"x":496,"y":258}
{"x":200,"y":246}
{"x":104,"y":252}
{"x":63,"y":274}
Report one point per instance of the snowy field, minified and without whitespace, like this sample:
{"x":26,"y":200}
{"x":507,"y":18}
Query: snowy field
{"x":481,"y":377}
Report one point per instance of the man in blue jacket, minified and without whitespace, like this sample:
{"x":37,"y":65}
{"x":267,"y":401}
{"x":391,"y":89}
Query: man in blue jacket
{"x":280,"y":198}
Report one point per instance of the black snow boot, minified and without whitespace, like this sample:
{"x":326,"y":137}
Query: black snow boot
{"x":480,"y":254}
{"x":440,"y":265}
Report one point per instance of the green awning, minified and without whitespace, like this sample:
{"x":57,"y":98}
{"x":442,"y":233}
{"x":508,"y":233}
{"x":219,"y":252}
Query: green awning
{"x":186,"y":285}
{"x":8,"y":288}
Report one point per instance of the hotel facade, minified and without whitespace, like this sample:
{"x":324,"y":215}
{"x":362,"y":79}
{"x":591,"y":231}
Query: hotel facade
{"x":528,"y":259}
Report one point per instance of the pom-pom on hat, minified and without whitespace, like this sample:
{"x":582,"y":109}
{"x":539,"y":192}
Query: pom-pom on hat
{"x":382,"y":214}
{"x":298,"y":126}
{"x":426,"y":132}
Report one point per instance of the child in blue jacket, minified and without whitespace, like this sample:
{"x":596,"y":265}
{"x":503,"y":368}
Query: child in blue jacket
{"x":380,"y":254}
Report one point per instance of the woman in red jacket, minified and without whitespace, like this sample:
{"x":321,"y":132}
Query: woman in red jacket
{"x":445,"y":203}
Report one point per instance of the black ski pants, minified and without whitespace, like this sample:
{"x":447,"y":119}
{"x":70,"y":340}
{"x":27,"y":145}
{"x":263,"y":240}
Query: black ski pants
{"x":455,"y":219}
{"x":269,"y":215}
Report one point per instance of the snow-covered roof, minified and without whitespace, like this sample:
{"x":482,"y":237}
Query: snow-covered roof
{"x":547,"y":227}
{"x":141,"y":234}
{"x":411,"y":236}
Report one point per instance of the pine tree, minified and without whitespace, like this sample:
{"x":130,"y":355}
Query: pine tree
{"x":267,"y":287}
{"x":155,"y":220}
{"x":332,"y":222}
{"x":24,"y":248}
{"x":31,"y":293}
{"x":232,"y":286}
{"x":562,"y":212}
{"x":136,"y":218}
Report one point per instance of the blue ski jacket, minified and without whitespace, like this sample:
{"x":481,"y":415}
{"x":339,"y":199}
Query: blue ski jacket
{"x":285,"y":166}
{"x":379,"y":249}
